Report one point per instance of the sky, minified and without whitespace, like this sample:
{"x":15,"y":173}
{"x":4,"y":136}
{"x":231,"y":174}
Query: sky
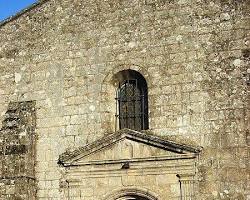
{"x":11,"y":7}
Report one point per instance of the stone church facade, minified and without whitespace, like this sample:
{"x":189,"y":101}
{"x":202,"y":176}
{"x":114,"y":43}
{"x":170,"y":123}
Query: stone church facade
{"x":125,"y":100}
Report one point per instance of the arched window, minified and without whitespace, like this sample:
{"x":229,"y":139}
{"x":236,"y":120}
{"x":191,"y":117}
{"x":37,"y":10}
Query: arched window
{"x":132,"y":100}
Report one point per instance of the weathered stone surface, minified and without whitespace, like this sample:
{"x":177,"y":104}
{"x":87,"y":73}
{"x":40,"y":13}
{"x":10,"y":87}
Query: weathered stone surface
{"x":193,"y":54}
{"x":17,"y":155}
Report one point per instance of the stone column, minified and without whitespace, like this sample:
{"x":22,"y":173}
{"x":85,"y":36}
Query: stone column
{"x":187,"y":186}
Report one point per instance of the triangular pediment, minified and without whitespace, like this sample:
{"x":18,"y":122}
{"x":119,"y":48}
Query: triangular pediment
{"x":124,"y":145}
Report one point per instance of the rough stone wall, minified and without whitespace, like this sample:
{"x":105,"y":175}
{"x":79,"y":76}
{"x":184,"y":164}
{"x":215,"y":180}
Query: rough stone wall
{"x":17,"y":152}
{"x":194,"y":55}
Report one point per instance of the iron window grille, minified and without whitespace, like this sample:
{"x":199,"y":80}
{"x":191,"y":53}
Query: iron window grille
{"x":131,"y":104}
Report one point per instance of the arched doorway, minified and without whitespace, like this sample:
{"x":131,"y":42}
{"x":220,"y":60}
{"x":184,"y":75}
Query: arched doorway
{"x":131,"y":194}
{"x":132,"y":197}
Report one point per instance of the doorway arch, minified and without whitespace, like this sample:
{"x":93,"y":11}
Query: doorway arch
{"x":131,"y":194}
{"x":132,"y":197}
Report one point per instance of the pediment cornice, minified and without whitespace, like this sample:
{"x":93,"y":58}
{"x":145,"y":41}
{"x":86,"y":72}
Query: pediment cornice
{"x":136,"y":136}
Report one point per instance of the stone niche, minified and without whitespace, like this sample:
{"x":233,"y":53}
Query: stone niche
{"x":130,"y":165}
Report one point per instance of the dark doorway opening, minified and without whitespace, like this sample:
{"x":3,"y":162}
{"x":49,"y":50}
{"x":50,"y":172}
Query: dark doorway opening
{"x":132,"y":197}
